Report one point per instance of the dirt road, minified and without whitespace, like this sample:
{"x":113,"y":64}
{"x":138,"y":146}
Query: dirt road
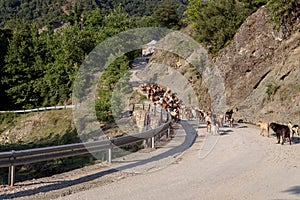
{"x":241,"y":165}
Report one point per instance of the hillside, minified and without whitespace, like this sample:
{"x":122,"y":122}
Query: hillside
{"x":260,"y":67}
{"x":37,"y":129}
{"x":57,"y":12}
{"x":261,"y":70}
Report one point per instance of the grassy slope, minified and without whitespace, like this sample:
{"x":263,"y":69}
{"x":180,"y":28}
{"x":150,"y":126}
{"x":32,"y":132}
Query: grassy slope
{"x":37,"y":129}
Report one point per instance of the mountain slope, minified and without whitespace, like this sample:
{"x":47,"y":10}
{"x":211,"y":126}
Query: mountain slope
{"x":261,"y":70}
{"x":55,"y":12}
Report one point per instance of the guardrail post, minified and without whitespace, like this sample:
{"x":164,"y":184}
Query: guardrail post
{"x":168,"y":132}
{"x":11,"y":171}
{"x":153,"y":142}
{"x":109,"y":156}
{"x":11,"y":175}
{"x":161,"y":116}
{"x":109,"y":153}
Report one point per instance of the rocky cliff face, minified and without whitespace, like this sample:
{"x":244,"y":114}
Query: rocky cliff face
{"x":261,"y":70}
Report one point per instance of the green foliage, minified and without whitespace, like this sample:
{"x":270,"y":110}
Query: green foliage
{"x":143,"y":98}
{"x":20,"y":68}
{"x":165,"y":15}
{"x":43,"y":12}
{"x":103,"y":106}
{"x":5,"y":36}
{"x":6,"y":119}
{"x":253,"y":4}
{"x":282,"y":10}
{"x":94,"y":19}
{"x":106,"y":105}
{"x":53,"y":12}
{"x":272,"y":89}
{"x":39,"y":68}
{"x":215,"y":21}
{"x":66,"y":50}
{"x":141,"y":7}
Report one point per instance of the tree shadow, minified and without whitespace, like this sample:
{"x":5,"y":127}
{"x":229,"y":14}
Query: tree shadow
{"x":293,"y":190}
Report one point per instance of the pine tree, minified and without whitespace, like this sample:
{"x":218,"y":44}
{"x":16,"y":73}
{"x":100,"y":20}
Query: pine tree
{"x":165,"y":15}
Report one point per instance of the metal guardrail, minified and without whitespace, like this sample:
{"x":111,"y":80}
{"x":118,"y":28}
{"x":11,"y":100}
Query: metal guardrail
{"x":15,"y":158}
{"x":40,"y":109}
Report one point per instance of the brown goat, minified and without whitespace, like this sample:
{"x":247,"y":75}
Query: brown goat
{"x":264,"y":127}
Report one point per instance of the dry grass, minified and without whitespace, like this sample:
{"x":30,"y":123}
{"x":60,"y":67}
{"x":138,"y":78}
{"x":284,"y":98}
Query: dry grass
{"x":39,"y":129}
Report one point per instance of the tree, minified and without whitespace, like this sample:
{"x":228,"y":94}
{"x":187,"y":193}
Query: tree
{"x":165,"y":15}
{"x":66,"y":50}
{"x":39,"y":69}
{"x":284,"y":13}
{"x":20,"y":69}
{"x":105,"y":105}
{"x":215,"y":21}
{"x":117,"y":21}
{"x":5,"y":35}
{"x":94,"y":19}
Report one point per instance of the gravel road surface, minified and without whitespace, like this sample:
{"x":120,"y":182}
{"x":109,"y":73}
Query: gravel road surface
{"x":240,"y":165}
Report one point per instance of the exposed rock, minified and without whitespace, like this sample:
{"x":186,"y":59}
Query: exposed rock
{"x":139,"y":117}
{"x":261,"y":70}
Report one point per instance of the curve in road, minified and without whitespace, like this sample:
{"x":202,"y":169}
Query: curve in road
{"x":242,"y":165}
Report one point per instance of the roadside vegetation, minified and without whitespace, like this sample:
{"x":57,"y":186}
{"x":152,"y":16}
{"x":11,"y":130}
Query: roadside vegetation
{"x":43,"y":43}
{"x":38,"y":66}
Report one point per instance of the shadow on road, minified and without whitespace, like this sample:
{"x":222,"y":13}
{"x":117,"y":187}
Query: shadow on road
{"x":225,"y":132}
{"x":189,"y":140}
{"x":294,"y":190}
{"x":243,"y":127}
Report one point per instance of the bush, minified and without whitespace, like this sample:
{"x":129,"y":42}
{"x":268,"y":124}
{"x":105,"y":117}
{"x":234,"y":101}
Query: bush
{"x":271,"y":89}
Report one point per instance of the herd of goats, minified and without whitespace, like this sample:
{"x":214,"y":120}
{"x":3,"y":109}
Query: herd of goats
{"x":172,"y":104}
{"x":282,"y":131}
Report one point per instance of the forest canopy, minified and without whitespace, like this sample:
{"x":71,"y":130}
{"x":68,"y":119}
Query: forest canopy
{"x":45,"y":12}
{"x":38,"y":69}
